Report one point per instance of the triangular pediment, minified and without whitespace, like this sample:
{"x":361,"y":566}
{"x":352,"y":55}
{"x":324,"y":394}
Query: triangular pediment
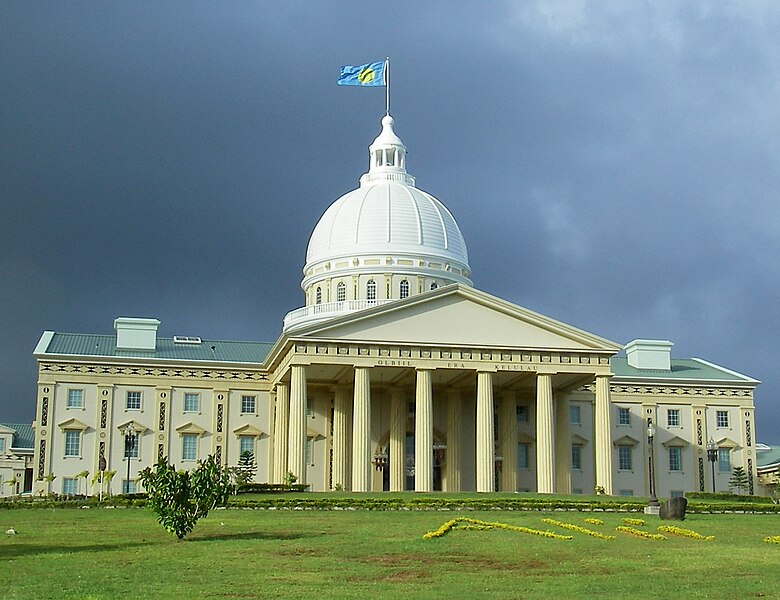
{"x":73,"y":424}
{"x":675,"y":441}
{"x":134,"y":425}
{"x":727,"y":443}
{"x":459,"y":316}
{"x":190,"y":428}
{"x":578,"y":439}
{"x":248,"y":430}
{"x":626,"y":440}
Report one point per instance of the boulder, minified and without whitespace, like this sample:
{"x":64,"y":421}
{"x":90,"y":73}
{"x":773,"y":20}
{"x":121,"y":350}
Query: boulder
{"x":673,"y":509}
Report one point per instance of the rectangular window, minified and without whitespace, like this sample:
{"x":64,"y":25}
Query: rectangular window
{"x":576,"y":456}
{"x":189,"y":446}
{"x":722,"y":418}
{"x":309,"y":460}
{"x":724,"y":460}
{"x":309,"y":409}
{"x":129,"y":486}
{"x":675,"y":458}
{"x":75,"y":398}
{"x":676,"y":494}
{"x":132,"y":452}
{"x":69,"y":486}
{"x":2,"y":445}
{"x":624,"y":416}
{"x":72,"y":443}
{"x":133,"y":401}
{"x":575,"y":414}
{"x":624,"y":458}
{"x":522,"y":456}
{"x":191,"y":402}
{"x":673,"y":417}
{"x":248,"y":404}
{"x":521,"y":410}
{"x":626,"y":493}
{"x":246,"y":443}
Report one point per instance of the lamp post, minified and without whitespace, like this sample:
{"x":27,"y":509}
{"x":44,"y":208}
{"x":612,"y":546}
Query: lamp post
{"x":651,"y":466}
{"x":712,"y":456}
{"x":129,"y":448}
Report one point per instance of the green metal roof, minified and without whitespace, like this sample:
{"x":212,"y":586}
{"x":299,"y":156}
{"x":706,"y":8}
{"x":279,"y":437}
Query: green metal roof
{"x":682,"y":369}
{"x":768,"y":457}
{"x":24,"y":438}
{"x":78,"y":344}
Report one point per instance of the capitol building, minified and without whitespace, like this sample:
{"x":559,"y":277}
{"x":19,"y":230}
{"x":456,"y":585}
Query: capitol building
{"x":396,"y":374}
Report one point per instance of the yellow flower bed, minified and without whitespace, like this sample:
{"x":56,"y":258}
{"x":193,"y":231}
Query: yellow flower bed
{"x":684,"y":532}
{"x":635,"y":522}
{"x":643,"y":534}
{"x":593,"y":521}
{"x":475,"y":524}
{"x":578,"y":529}
{"x":772,"y":539}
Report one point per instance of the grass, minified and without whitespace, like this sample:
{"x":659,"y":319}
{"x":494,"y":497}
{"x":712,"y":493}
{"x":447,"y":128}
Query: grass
{"x":111,"y":553}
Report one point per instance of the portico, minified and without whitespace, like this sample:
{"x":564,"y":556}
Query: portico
{"x":437,"y":415}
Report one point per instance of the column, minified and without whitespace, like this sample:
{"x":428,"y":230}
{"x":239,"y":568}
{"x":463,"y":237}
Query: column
{"x":486,"y":451}
{"x":602,"y":432}
{"x":296,"y":447}
{"x":340,"y":419}
{"x":545,"y":450}
{"x":361,"y":432}
{"x":508,"y":437}
{"x":562,"y":446}
{"x":398,"y":440}
{"x":423,"y":433}
{"x":454,"y":408}
{"x":281,"y":432}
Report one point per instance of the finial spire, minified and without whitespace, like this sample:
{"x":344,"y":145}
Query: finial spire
{"x":387,"y":156}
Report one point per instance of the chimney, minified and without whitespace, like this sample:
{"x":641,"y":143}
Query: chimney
{"x":136,"y":334}
{"x":653,"y":355}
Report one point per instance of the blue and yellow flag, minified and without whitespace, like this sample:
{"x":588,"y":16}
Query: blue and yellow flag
{"x":371,"y":74}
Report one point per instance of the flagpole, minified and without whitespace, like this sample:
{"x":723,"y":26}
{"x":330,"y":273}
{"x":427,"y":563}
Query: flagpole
{"x":387,"y":85}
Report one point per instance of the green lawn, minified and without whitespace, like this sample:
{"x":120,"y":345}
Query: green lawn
{"x":124,"y":553}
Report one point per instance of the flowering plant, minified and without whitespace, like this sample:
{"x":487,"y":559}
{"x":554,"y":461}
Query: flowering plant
{"x":594,"y":521}
{"x":639,"y":533}
{"x":684,"y":532}
{"x":475,"y":524}
{"x":772,"y":539}
{"x":578,"y":529}
{"x":635,"y":522}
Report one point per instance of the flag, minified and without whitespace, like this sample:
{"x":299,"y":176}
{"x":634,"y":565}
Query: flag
{"x":371,"y":74}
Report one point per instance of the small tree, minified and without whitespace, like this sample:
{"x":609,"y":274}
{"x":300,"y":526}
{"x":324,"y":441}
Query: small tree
{"x":107,"y":477}
{"x":12,"y":483}
{"x":180,"y":498}
{"x":245,"y":471}
{"x":82,"y":475}
{"x":739,"y":480}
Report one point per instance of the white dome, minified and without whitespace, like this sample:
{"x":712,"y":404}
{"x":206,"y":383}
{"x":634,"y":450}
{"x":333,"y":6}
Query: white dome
{"x":380,"y":243}
{"x":387,"y":217}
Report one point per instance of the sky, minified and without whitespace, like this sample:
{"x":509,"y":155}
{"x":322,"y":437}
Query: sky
{"x":611,"y":164}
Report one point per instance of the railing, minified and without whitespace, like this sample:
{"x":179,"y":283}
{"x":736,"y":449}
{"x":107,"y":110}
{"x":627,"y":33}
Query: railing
{"x":317,"y":312}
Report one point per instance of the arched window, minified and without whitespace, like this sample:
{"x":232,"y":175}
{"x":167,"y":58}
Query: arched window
{"x":319,"y":296}
{"x":341,"y":292}
{"x":434,"y":285}
{"x":371,"y":290}
{"x":404,"y":289}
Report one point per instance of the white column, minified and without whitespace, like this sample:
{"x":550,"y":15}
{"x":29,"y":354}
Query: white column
{"x":508,"y":428}
{"x":486,"y":451}
{"x":562,"y":446}
{"x":296,"y":453}
{"x":454,"y":407}
{"x":423,"y":433}
{"x":603,"y":435}
{"x":545,"y":449}
{"x":361,"y":432}
{"x":398,"y":440}
{"x":340,"y":418}
{"x":281,"y":432}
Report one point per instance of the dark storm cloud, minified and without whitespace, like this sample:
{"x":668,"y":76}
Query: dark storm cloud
{"x":611,"y":165}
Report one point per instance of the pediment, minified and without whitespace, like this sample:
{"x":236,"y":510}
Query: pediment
{"x":525,"y":438}
{"x":190,"y":428}
{"x":4,"y":429}
{"x":248,"y":430}
{"x":73,"y":424}
{"x":134,"y":425}
{"x":675,"y":441}
{"x":727,"y":443}
{"x":578,"y":439}
{"x":460,"y":316}
{"x":315,"y":435}
{"x":626,"y":440}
